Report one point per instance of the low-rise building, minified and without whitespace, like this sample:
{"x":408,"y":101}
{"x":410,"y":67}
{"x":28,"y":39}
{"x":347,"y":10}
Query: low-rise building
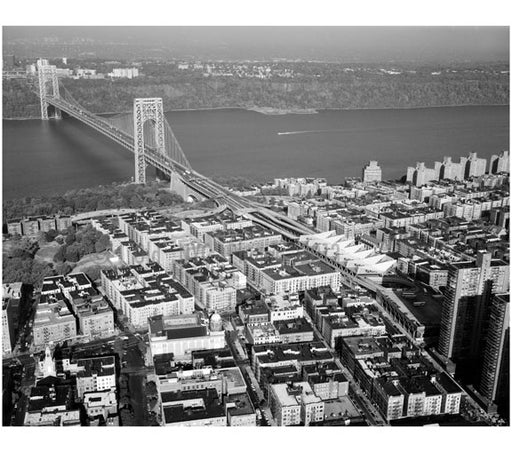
{"x":34,"y":225}
{"x":30,"y":226}
{"x":297,"y":355}
{"x":350,"y":321}
{"x":398,"y":379}
{"x":196,"y":408}
{"x":145,"y":291}
{"x":326,"y":379}
{"x":94,"y":374}
{"x":226,"y":242}
{"x":129,"y":72}
{"x":252,"y":263}
{"x":284,"y":307}
{"x":14,"y":227}
{"x":181,"y":335}
{"x":53,"y":321}
{"x":299,"y":272}
{"x":240,"y":411}
{"x":225,"y":380}
{"x":100,"y":403}
{"x":51,"y":404}
{"x":95,"y":316}
{"x":295,"y":330}
{"x":295,"y":404}
{"x":212,"y":280}
{"x":262,"y":333}
{"x":256,"y":312}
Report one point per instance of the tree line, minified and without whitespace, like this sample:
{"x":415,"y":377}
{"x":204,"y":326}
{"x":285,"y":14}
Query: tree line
{"x":152,"y":195}
{"x":317,"y":89}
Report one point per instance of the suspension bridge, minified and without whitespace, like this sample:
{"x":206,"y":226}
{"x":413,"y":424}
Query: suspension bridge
{"x":147,"y":134}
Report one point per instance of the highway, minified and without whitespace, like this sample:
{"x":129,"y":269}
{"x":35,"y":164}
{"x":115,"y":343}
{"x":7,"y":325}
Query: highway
{"x":204,"y":186}
{"x":194,"y":180}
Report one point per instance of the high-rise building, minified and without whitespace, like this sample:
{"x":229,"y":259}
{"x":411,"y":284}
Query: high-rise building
{"x":6,"y":329}
{"x":11,"y":302}
{"x":420,"y":174}
{"x":372,"y":172}
{"x":473,"y":166}
{"x":496,"y":353}
{"x":466,"y":304}
{"x":451,"y":170}
{"x":499,"y":163}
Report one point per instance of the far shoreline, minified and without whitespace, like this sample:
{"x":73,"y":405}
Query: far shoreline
{"x":271,"y":111}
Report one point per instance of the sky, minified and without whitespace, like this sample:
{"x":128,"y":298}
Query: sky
{"x":328,"y":43}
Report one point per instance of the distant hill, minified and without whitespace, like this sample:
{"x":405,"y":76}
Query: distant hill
{"x":327,"y":86}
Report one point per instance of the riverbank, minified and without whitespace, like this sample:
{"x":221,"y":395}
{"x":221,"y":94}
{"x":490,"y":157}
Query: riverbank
{"x":283,"y":111}
{"x":417,"y":107}
{"x":271,"y":111}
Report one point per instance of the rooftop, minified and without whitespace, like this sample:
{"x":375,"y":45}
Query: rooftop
{"x":183,"y":406}
{"x":44,"y":397}
{"x":299,"y":325}
{"x":99,"y":366}
{"x":247,"y":233}
{"x":292,"y":394}
{"x":238,"y":404}
{"x":302,"y":352}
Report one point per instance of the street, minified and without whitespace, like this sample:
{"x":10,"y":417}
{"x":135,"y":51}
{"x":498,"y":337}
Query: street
{"x":253,"y":389}
{"x":362,"y":402}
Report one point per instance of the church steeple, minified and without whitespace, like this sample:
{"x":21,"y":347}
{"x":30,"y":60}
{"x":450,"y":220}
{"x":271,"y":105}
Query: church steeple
{"x":48,"y":365}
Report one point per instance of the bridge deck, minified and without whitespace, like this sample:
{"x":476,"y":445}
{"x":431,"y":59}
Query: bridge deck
{"x":192,"y":179}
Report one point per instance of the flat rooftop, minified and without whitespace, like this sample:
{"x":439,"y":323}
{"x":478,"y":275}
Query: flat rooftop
{"x":239,"y":404}
{"x":310,"y":351}
{"x":428,"y":313}
{"x":290,"y":394}
{"x":183,"y":406}
{"x":341,"y":408}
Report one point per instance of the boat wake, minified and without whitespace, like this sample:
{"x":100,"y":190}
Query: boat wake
{"x":298,"y":132}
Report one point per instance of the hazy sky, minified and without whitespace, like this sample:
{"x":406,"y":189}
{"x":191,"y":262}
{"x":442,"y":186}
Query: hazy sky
{"x":322,"y":43}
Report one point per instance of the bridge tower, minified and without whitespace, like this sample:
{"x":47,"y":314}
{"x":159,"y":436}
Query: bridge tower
{"x":145,"y":109}
{"x":48,"y":86}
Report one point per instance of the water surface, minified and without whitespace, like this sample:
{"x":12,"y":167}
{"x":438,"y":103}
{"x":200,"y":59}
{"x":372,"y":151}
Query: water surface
{"x":42,"y":157}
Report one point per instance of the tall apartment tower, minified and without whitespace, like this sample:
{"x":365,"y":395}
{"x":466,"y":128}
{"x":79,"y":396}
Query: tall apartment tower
{"x":499,"y":163}
{"x":372,"y":172}
{"x":466,"y":304}
{"x":451,"y":170}
{"x":473,"y":166}
{"x":495,"y":370}
{"x":420,"y":174}
{"x":6,"y":329}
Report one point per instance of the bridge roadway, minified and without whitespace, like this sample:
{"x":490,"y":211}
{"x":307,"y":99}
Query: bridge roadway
{"x":191,"y":178}
{"x":194,"y":180}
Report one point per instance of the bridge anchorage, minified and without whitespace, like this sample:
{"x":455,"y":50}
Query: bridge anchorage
{"x":48,"y":86}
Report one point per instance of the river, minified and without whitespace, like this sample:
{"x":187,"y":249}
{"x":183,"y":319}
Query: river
{"x":49,"y":157}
